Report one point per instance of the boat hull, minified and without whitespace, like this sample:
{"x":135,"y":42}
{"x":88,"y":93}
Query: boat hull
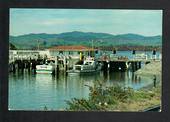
{"x":44,"y":69}
{"x":83,"y":71}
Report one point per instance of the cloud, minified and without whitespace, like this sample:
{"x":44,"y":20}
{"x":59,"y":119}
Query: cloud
{"x":103,"y":20}
{"x":69,"y":21}
{"x":54,"y":22}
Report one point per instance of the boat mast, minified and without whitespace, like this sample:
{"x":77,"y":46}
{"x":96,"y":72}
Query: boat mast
{"x":92,"y":48}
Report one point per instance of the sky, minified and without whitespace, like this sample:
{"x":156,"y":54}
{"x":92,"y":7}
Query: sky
{"x":112,"y":21}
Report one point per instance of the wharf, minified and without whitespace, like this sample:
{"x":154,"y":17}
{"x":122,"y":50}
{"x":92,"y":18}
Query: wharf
{"x":28,"y":59}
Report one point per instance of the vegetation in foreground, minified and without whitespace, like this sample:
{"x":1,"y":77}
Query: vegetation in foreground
{"x":116,"y":99}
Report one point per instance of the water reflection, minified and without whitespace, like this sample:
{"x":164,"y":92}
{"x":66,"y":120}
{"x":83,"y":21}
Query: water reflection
{"x":30,"y":92}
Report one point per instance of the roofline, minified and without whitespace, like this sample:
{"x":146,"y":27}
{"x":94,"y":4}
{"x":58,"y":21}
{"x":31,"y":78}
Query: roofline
{"x":72,"y":49}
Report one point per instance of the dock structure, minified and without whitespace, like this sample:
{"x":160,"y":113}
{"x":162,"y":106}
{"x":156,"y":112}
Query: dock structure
{"x":117,"y":65}
{"x":27,"y":54}
{"x":28,"y":59}
{"x":122,"y":63}
{"x":19,"y":60}
{"x":34,"y":57}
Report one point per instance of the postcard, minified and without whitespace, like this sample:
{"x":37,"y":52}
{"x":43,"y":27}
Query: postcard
{"x":85,"y":60}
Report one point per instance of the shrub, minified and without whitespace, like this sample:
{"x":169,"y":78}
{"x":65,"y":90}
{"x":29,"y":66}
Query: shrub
{"x":100,"y":98}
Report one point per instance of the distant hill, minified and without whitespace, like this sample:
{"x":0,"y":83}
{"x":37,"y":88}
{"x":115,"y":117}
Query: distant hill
{"x":31,"y":41}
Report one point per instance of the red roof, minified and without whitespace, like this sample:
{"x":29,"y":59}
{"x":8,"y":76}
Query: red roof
{"x":71,"y":48}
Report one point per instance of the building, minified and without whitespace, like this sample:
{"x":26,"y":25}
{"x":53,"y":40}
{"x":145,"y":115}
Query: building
{"x":27,"y":54}
{"x":72,"y":51}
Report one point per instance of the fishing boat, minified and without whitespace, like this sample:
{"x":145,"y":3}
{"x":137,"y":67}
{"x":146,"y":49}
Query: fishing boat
{"x":89,"y":65}
{"x":47,"y":68}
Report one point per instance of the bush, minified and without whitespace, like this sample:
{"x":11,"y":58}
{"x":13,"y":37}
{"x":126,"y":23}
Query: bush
{"x":100,"y":98}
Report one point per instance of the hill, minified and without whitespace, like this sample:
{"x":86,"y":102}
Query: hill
{"x":31,"y":41}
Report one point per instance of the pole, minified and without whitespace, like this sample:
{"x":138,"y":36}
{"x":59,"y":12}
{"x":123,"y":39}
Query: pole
{"x":38,"y":44}
{"x":92,"y":49}
{"x":80,"y":56}
{"x":56,"y":65}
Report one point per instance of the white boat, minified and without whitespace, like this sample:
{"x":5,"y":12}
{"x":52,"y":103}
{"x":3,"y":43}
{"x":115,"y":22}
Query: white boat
{"x":89,"y":66}
{"x":47,"y":68}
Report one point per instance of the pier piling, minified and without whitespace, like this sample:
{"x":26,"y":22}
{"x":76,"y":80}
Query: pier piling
{"x":105,"y":66}
{"x":116,"y":66}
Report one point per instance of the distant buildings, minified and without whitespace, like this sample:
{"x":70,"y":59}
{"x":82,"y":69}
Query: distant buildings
{"x":60,"y":51}
{"x":27,"y":54}
{"x":72,"y":51}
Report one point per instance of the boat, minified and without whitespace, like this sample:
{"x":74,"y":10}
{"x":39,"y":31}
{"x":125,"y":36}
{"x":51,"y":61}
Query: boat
{"x":89,"y":65}
{"x":47,"y":68}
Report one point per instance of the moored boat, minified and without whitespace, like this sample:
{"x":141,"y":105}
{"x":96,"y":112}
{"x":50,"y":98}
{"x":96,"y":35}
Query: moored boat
{"x":89,"y":65}
{"x":47,"y":68}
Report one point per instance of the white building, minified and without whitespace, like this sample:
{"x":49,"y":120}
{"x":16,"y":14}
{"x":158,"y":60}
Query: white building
{"x":71,"y":51}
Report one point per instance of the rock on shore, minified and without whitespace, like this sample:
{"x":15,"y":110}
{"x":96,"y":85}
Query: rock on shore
{"x":153,"y":68}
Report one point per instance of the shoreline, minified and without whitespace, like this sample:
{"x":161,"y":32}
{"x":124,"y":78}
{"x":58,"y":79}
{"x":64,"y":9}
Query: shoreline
{"x":153,"y":68}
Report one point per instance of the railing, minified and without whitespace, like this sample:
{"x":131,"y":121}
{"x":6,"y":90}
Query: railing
{"x":27,"y":54}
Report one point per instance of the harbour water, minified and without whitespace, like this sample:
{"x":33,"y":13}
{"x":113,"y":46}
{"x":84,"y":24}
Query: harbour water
{"x":30,"y":91}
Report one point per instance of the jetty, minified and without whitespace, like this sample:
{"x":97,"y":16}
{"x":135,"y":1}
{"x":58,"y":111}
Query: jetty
{"x":122,"y":63}
{"x":28,"y":59}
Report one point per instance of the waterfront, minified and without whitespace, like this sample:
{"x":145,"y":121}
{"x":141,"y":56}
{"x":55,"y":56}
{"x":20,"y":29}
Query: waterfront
{"x":34,"y":92}
{"x":29,"y":91}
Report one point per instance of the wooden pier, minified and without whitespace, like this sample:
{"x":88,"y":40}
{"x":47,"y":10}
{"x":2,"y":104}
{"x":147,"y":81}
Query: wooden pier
{"x":27,"y":60}
{"x":120,"y":65}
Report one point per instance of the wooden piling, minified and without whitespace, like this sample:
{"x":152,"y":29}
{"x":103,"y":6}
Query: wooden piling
{"x":22,"y":66}
{"x":13,"y":69}
{"x":117,"y":66}
{"x":33,"y":66}
{"x":133,"y":66}
{"x":136,"y":66}
{"x":28,"y":66}
{"x":139,"y":64}
{"x":56,"y":66}
{"x":19,"y":64}
{"x":105,"y":66}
